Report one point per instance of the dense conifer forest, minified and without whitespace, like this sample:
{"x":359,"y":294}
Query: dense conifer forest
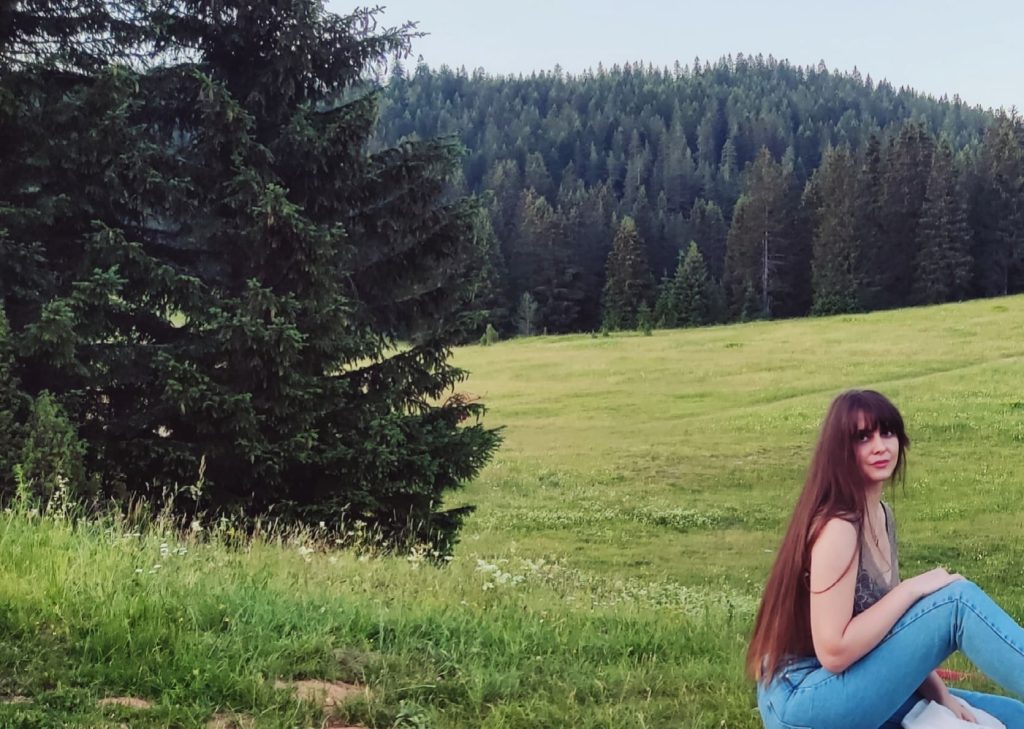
{"x":805,"y":190}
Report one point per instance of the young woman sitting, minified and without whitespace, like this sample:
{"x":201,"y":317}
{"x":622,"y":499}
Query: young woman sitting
{"x":840,"y":641}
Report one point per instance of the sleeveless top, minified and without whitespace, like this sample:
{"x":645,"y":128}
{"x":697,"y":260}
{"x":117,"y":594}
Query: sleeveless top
{"x":871,"y":584}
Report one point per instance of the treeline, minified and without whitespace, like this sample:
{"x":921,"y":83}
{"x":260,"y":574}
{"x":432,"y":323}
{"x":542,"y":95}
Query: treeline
{"x":804,"y":191}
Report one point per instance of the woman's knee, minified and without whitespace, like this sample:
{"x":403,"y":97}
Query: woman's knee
{"x":964,"y":590}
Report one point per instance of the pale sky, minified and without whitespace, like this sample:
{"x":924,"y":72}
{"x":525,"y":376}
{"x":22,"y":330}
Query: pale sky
{"x":974,"y":48}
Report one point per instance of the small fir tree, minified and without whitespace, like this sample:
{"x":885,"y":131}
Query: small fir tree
{"x":645,"y":319}
{"x":666,"y":311}
{"x":692,"y":288}
{"x":12,"y":411}
{"x":52,"y":457}
{"x":526,"y":315}
{"x":629,"y":282}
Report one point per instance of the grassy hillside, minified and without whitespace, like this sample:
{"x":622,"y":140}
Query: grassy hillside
{"x":608,"y":577}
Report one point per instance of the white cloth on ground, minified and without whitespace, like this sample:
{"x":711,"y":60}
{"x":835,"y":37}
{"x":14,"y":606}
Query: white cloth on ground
{"x":929,"y":715}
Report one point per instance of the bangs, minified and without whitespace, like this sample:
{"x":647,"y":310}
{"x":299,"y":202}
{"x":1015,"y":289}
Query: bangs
{"x":877,"y":414}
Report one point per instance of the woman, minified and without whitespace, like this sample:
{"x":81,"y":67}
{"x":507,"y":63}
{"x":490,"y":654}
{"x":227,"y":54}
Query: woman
{"x":839,"y":641}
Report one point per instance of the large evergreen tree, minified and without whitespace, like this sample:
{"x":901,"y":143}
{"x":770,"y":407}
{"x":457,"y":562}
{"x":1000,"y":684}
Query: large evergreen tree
{"x":207,"y":265}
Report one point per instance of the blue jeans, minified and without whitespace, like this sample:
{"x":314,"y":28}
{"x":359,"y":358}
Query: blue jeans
{"x":877,"y":691}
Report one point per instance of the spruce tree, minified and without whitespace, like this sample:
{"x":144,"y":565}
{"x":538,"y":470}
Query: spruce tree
{"x":942,"y":271}
{"x":870,"y":231}
{"x":629,"y":282}
{"x":208,"y":263}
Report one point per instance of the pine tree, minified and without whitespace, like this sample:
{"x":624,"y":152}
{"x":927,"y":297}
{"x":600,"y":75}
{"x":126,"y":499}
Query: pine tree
{"x":708,"y":229}
{"x":836,"y":264}
{"x":997,"y":209}
{"x":907,"y":165}
{"x":629,"y":282}
{"x":942,"y":271}
{"x":666,"y":309}
{"x":765,"y":249}
{"x":541,"y":262}
{"x":488,"y":300}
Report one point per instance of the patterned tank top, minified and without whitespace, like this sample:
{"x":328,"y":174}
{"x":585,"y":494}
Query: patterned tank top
{"x":871,"y":582}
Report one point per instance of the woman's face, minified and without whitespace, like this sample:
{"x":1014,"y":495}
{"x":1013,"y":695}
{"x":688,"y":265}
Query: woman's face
{"x":877,"y":452}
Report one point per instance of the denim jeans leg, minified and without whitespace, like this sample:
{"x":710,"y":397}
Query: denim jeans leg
{"x":1007,"y":710}
{"x":868,"y":693}
{"x":774,"y":696}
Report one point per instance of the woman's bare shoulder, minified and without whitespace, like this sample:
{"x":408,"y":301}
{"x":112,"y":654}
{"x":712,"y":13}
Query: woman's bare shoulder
{"x":834,"y":528}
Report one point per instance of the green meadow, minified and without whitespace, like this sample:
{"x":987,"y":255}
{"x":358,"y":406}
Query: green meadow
{"x":608,"y":577}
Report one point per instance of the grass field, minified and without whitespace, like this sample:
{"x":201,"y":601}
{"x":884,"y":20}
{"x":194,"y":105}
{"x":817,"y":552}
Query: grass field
{"x":608,"y":577}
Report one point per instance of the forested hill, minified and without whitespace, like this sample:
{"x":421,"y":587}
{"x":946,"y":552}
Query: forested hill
{"x":805,"y":191}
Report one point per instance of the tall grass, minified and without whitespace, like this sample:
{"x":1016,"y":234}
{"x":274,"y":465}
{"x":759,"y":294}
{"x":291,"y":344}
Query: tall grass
{"x":608,"y":577}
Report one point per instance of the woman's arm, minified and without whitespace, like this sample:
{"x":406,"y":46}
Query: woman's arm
{"x":840,"y":639}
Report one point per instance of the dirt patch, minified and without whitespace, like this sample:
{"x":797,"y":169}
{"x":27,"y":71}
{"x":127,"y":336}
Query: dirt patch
{"x":241,"y":721}
{"x":229,"y":721}
{"x":16,"y":699}
{"x":132,"y":702}
{"x":326,"y":693}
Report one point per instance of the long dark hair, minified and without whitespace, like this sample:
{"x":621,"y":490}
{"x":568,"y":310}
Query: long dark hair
{"x":835,"y":487}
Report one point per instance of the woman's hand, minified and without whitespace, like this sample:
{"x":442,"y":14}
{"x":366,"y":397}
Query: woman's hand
{"x":928,"y":582}
{"x":959,"y":710}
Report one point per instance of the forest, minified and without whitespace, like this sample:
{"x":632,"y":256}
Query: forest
{"x":805,"y":191}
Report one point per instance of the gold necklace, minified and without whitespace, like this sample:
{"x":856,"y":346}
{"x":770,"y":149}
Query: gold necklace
{"x":874,"y":537}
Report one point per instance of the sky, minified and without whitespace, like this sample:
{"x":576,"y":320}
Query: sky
{"x":974,"y":48}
